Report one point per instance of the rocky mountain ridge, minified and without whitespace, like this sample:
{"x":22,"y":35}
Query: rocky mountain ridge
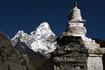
{"x":41,"y":40}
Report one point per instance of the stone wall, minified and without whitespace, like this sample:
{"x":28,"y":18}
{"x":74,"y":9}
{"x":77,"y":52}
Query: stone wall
{"x":70,"y":54}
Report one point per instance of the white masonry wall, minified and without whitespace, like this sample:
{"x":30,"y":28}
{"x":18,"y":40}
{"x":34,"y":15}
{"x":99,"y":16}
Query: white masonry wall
{"x":95,"y":63}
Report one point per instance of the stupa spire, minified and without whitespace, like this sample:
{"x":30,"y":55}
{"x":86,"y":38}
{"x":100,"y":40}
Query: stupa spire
{"x":76,"y":3}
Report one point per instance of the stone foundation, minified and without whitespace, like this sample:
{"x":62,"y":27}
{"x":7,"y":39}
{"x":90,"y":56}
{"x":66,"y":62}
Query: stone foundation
{"x":71,"y":54}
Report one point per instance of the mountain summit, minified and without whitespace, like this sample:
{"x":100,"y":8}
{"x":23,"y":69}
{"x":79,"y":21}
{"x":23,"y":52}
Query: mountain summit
{"x":41,"y":40}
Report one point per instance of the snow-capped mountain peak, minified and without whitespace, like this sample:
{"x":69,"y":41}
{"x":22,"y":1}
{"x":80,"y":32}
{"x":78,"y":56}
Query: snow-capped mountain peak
{"x":19,"y":36}
{"x":42,"y":29}
{"x":42,"y":40}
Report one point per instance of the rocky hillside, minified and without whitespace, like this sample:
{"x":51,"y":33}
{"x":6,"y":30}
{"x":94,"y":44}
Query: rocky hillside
{"x":11,"y":59}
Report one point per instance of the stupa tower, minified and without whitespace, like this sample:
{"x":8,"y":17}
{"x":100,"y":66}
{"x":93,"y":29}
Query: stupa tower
{"x":75,"y":27}
{"x":75,"y":51}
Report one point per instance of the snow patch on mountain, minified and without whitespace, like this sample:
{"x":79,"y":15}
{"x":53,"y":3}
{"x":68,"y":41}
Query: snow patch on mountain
{"x":41,"y":40}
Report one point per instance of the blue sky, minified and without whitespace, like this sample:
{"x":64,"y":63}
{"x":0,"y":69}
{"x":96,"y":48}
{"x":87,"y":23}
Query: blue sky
{"x":28,"y":14}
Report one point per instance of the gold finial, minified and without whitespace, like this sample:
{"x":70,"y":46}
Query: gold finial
{"x":76,"y":3}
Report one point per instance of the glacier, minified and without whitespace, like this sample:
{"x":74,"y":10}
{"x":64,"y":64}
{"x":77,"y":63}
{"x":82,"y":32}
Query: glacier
{"x":42,"y":40}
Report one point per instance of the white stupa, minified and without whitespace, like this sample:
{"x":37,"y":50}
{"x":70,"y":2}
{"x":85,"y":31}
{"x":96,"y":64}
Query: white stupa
{"x":75,"y":27}
{"x":76,"y":23}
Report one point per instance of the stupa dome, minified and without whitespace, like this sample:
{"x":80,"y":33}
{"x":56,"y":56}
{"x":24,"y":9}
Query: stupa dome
{"x":75,"y":14}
